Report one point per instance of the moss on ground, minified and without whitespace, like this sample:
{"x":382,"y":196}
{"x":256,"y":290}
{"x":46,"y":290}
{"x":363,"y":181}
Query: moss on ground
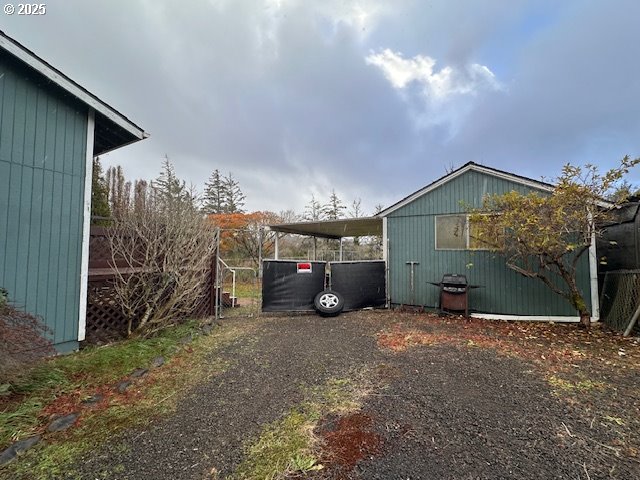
{"x":62,"y":382}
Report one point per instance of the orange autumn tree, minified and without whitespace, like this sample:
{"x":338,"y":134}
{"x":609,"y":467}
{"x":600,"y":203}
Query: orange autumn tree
{"x":240,"y":233}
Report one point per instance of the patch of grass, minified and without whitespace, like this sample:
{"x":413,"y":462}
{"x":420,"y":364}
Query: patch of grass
{"x":251,"y":310}
{"x":560,"y":384}
{"x":84,"y":370}
{"x":154,"y":395}
{"x":288,"y":446}
{"x":97,"y":365}
{"x":248,"y":290}
{"x":19,"y":421}
{"x":341,"y":395}
{"x":617,"y":420}
{"x":280,"y":447}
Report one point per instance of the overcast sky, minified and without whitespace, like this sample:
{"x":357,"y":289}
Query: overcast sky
{"x":375,"y":98}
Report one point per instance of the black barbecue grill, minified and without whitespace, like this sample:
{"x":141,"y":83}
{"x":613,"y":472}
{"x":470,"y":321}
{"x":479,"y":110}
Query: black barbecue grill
{"x":454,"y":293}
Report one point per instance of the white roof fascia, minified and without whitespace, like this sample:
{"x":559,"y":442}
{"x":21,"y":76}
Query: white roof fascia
{"x":457,"y":173}
{"x":530,"y":183}
{"x":71,"y":87}
{"x":513,"y":178}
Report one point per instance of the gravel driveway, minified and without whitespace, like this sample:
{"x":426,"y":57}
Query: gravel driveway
{"x":442,"y":411}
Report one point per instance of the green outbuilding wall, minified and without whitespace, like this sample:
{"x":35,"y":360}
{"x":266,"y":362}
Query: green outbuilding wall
{"x":411,"y":237}
{"x":43,"y":138}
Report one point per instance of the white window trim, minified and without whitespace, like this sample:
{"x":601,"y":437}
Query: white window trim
{"x":467,"y":234}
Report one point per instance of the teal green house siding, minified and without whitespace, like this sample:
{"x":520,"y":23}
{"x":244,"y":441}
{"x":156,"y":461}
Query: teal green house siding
{"x":411,"y":237}
{"x":50,"y":129}
{"x":43,"y":141}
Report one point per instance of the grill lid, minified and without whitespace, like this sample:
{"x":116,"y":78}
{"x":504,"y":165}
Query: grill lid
{"x":454,"y":279}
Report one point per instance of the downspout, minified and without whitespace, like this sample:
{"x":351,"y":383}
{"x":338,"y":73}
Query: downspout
{"x":593,"y":274}
{"x":385,"y":257}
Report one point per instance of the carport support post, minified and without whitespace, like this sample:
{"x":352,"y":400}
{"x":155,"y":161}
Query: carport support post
{"x":217,"y":285}
{"x":277,"y":247}
{"x":340,"y":248}
{"x":385,"y":257}
{"x":260,"y":240}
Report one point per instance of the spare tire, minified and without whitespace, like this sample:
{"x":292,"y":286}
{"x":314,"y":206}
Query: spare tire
{"x":329,"y":303}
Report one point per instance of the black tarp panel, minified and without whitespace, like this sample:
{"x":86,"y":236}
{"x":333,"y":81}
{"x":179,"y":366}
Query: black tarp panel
{"x":361,"y":283}
{"x":619,"y":246}
{"x":286,"y":288}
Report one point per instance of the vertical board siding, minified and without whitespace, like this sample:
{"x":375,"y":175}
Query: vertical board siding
{"x":42,"y":169}
{"x":411,"y":231}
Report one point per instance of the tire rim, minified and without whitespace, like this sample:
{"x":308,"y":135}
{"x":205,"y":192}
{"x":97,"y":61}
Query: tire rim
{"x":329,"y":300}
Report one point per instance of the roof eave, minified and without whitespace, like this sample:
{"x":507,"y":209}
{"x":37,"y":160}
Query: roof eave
{"x":116,"y":147}
{"x":456,"y":173}
{"x":64,"y":82}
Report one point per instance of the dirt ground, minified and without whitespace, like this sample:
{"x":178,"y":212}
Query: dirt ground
{"x":453,"y":399}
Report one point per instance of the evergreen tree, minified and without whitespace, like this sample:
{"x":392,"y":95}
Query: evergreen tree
{"x":233,"y":196}
{"x":214,"y":194}
{"x":335,"y":208}
{"x":313,"y":211}
{"x":168,"y":189}
{"x":99,"y":193}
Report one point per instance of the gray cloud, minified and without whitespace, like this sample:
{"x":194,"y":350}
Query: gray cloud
{"x":281,"y":94}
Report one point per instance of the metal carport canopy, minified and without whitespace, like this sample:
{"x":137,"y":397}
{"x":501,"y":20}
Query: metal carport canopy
{"x":347,"y":227}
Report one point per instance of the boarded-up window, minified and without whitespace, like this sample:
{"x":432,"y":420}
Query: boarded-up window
{"x":451,"y":232}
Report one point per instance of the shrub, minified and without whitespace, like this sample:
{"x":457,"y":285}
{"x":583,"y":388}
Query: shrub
{"x":24,"y":339}
{"x":163,"y":253}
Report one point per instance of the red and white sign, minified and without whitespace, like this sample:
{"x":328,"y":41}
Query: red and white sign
{"x":304,"y":267}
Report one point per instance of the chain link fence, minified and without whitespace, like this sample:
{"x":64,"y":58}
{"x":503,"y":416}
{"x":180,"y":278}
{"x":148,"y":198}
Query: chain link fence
{"x":620,"y":298}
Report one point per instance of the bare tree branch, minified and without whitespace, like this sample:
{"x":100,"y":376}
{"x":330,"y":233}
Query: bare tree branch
{"x":161,"y":253}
